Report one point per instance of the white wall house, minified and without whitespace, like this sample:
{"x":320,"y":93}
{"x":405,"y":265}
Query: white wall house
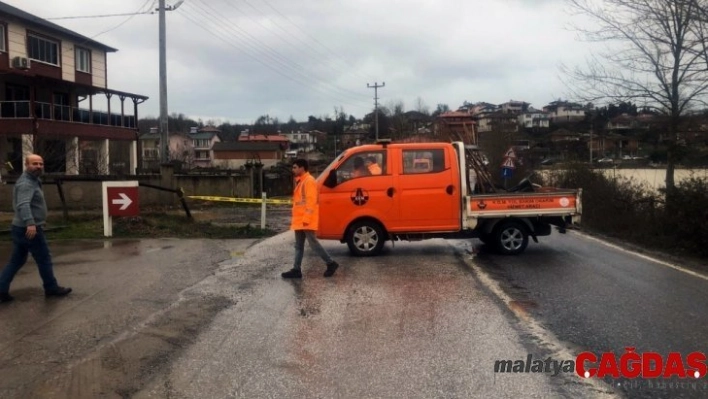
{"x":564,"y":111}
{"x":534,"y":120}
{"x":301,"y":142}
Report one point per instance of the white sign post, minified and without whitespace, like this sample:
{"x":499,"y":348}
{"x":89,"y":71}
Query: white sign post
{"x":120,"y":198}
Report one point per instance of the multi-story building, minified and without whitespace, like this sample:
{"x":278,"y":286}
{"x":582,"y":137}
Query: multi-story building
{"x":482,"y":107}
{"x":514,"y":107}
{"x":235,"y":154}
{"x":534,"y":120}
{"x":301,"y":141}
{"x":51,"y":82}
{"x":180,"y":149}
{"x":564,"y":111}
{"x":204,"y":140}
{"x":496,"y":121}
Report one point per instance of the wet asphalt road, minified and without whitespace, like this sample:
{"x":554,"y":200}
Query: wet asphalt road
{"x":586,"y":295}
{"x":129,"y":313}
{"x":213,"y":319}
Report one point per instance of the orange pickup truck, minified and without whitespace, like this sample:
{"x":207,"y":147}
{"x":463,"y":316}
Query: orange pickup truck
{"x":424,"y":191}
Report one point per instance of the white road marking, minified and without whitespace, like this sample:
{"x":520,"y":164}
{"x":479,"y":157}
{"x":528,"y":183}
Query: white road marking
{"x":645,"y":257}
{"x":559,"y":350}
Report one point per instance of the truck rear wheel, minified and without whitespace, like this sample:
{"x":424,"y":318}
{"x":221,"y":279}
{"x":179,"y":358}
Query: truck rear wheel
{"x":511,"y":237}
{"x":365,"y":238}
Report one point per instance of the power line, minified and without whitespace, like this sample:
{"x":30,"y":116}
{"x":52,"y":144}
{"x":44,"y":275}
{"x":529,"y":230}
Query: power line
{"x":275,"y":61}
{"x":99,"y":16}
{"x":127,"y":19}
{"x":228,"y":40}
{"x":274,"y":54}
{"x":316,"y":51}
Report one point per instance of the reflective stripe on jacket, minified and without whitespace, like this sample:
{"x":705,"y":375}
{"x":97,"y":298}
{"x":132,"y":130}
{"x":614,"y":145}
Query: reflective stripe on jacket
{"x":305,"y":204}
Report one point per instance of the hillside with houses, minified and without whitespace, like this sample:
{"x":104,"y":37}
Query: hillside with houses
{"x":561,"y":131}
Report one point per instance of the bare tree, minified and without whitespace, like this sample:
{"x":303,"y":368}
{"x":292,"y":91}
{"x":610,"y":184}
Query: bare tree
{"x":421,"y":107}
{"x":658,"y":59}
{"x":399,"y":122}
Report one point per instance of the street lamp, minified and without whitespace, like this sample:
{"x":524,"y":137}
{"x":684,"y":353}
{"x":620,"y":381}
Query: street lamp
{"x":164,"y":139}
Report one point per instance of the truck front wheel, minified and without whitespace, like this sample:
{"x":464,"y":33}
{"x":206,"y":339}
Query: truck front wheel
{"x":365,"y":238}
{"x":511,"y":237}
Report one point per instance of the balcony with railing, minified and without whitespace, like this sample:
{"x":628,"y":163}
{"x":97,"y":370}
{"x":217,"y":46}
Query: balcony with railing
{"x":64,"y":113}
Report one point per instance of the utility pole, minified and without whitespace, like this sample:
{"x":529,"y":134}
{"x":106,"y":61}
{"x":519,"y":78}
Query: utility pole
{"x":592,"y":130}
{"x":376,"y":104}
{"x":164,"y":132}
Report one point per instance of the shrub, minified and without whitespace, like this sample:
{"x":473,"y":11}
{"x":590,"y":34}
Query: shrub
{"x":625,"y":209}
{"x":686,"y":216}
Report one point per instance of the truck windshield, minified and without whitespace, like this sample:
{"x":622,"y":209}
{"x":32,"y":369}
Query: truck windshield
{"x":325,"y":172}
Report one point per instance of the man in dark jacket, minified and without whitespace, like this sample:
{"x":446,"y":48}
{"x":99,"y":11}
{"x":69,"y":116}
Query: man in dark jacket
{"x":28,"y":231}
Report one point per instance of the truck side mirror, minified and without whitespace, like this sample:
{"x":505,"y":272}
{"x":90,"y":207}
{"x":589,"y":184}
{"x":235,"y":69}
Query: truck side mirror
{"x":331,"y":180}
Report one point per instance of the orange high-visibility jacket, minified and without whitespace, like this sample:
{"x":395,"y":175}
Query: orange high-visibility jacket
{"x":305,"y":204}
{"x":375,"y":169}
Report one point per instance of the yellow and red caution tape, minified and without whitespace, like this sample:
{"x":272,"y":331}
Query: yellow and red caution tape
{"x":240,"y":200}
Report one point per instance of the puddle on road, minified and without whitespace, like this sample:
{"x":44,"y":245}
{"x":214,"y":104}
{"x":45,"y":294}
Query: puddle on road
{"x":120,"y":248}
{"x":65,"y":247}
{"x":123,"y":368}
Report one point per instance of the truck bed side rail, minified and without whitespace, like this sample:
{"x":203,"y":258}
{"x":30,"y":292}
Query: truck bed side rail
{"x":557,"y":203}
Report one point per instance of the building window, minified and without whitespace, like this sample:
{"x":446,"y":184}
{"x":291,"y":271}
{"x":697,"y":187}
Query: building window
{"x":83,"y":60}
{"x":2,"y":37}
{"x":44,"y":50}
{"x":150,"y":153}
{"x":202,"y":143}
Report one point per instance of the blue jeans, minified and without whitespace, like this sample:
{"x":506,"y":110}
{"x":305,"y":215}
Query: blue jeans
{"x":39,"y":249}
{"x":300,"y":236}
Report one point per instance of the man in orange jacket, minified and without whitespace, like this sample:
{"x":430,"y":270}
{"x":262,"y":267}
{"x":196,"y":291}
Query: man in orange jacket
{"x":373,"y":167}
{"x":305,"y":220}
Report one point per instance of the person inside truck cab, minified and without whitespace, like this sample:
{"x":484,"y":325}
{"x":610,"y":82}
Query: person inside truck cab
{"x":359,"y":168}
{"x":372,"y":166}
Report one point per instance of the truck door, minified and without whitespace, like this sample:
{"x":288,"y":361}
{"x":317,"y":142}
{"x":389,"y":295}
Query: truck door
{"x":364,"y":182}
{"x":429,"y":189}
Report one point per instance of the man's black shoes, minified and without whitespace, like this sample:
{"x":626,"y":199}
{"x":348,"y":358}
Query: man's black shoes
{"x":331,"y":268}
{"x":292,"y":273}
{"x":58,"y":291}
{"x":5,"y":297}
{"x":296,"y":273}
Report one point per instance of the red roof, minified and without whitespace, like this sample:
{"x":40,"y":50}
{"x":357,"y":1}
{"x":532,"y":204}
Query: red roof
{"x":272,"y":138}
{"x":455,"y":114}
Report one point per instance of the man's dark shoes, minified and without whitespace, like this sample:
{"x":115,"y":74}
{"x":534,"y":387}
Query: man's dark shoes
{"x":58,"y":291}
{"x":331,"y":268}
{"x":292,"y":273}
{"x":5,"y":297}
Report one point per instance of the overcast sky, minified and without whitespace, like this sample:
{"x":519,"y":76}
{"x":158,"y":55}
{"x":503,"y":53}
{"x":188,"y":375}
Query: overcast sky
{"x":235,"y":60}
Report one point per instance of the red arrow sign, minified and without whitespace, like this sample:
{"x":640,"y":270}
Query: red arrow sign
{"x":122,"y":201}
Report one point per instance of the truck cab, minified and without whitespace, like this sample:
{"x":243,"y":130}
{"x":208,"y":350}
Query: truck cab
{"x":417,"y":191}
